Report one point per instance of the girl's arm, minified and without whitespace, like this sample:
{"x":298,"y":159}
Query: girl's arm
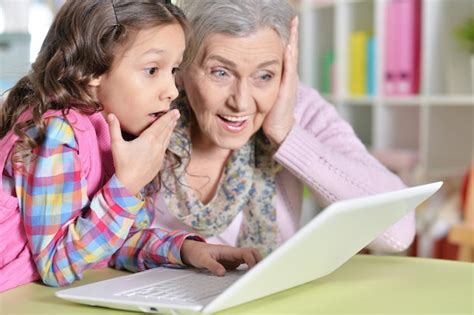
{"x":323,"y":151}
{"x":67,"y":233}
{"x":150,"y":248}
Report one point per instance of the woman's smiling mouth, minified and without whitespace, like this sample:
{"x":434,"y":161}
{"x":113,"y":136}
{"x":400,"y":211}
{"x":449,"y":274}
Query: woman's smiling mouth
{"x":233,"y":123}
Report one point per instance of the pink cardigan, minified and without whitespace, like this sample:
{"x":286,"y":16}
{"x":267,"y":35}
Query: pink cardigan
{"x":322,"y":152}
{"x":16,"y":264}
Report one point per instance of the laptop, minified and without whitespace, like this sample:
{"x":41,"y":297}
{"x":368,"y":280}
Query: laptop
{"x":325,"y":243}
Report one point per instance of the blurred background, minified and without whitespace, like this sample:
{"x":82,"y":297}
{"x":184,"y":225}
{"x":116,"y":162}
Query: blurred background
{"x":401,"y":72}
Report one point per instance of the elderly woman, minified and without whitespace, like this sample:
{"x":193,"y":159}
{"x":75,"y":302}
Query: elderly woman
{"x":250,"y":136}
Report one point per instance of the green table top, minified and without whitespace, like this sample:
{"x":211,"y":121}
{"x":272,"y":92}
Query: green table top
{"x":364,"y":285}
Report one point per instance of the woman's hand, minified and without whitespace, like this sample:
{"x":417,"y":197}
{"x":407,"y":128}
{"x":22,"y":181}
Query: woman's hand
{"x":280,"y":119}
{"x":137,"y":162}
{"x":217,"y":258}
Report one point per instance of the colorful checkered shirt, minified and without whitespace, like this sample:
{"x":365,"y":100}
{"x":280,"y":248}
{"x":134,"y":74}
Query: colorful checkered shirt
{"x":67,"y":232}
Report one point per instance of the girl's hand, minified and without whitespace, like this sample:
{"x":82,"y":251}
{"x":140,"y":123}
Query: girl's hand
{"x":217,"y":258}
{"x":280,"y":119}
{"x":137,"y":162}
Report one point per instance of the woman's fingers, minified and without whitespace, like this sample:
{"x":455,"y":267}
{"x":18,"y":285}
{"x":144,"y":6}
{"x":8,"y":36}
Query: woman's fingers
{"x":290,"y":74}
{"x":294,"y":38}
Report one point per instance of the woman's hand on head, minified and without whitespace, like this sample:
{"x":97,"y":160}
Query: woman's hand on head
{"x":138,"y":161}
{"x":217,"y":258}
{"x":280,"y":120}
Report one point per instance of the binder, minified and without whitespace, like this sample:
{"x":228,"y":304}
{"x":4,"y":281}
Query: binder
{"x":358,"y":63}
{"x":334,"y":78}
{"x":391,"y":43}
{"x":326,"y":73}
{"x":406,"y":48}
{"x":371,"y":60}
{"x":417,"y":48}
{"x":403,"y":47}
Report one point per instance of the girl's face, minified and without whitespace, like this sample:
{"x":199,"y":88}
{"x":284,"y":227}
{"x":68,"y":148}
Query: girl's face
{"x":141,"y":82}
{"x":232,"y":85}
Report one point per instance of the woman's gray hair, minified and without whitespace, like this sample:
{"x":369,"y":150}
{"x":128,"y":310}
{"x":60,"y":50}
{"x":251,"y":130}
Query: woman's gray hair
{"x":234,"y":17}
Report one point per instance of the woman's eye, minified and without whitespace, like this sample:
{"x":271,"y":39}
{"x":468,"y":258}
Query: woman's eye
{"x":152,"y":70}
{"x":219,"y":73}
{"x":265,"y":77}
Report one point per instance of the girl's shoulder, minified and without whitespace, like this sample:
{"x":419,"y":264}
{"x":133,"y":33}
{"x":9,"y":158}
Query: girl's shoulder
{"x":58,"y":130}
{"x":67,"y":128}
{"x":71,"y":116}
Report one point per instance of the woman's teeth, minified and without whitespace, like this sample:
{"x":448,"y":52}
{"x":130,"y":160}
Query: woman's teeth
{"x":234,"y":118}
{"x":234,"y":123}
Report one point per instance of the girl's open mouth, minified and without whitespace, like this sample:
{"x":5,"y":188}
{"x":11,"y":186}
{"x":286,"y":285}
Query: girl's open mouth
{"x":157,"y":115}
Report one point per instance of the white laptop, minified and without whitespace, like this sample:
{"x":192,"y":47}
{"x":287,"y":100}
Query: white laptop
{"x":321,"y":246}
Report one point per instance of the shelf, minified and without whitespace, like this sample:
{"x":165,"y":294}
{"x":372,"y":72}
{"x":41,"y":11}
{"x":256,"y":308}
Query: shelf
{"x":401,"y":100}
{"x":437,"y":122}
{"x":448,"y":100}
{"x":441,"y":174}
{"x":318,"y":4}
{"x":349,"y":101}
{"x":438,"y":100}
{"x":358,"y":100}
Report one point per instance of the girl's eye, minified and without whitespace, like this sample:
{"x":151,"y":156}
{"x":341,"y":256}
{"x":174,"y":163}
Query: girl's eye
{"x":152,"y":70}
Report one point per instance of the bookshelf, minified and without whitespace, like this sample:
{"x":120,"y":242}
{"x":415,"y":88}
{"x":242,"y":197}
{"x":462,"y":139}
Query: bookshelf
{"x":434,"y":126}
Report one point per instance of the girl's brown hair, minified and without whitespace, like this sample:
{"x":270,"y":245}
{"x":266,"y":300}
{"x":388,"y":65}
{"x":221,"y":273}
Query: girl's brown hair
{"x":80,"y":46}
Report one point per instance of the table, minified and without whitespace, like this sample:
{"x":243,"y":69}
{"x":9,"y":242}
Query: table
{"x":363,"y":285}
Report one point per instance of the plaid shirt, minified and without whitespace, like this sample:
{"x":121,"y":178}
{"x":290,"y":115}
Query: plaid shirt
{"x":69,"y":233}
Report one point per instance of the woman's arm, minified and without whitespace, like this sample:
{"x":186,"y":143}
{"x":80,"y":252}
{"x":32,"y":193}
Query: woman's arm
{"x":323,"y":151}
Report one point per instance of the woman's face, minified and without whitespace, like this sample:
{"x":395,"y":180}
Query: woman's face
{"x":232,"y":85}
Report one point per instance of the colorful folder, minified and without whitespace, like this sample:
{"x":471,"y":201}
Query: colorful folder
{"x":402,"y":47}
{"x":358,"y":63}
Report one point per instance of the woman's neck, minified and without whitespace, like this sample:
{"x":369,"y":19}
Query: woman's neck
{"x":206,"y":166}
{"x":205,"y":148}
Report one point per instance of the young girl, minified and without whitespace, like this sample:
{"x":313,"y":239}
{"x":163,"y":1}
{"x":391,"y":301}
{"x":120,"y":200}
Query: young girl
{"x":71,"y":193}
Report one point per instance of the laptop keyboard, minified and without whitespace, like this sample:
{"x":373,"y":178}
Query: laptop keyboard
{"x":189,"y":288}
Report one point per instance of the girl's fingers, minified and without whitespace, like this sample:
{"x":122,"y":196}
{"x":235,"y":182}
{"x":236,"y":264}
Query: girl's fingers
{"x":114,"y":127}
{"x":213,"y":266}
{"x":249,"y":258}
{"x":256,"y":254}
{"x":165,"y":122}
